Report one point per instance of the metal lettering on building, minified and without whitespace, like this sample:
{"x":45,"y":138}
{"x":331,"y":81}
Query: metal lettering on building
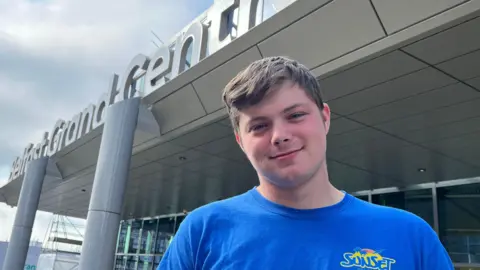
{"x":225,"y":21}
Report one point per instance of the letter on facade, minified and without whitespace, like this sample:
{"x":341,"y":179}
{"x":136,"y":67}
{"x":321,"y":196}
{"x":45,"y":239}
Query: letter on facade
{"x":140,"y":61}
{"x":160,"y":65}
{"x":105,"y":100}
{"x":56,"y":138}
{"x":195,"y":36}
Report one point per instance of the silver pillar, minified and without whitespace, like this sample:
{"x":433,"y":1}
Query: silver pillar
{"x":435,"y":209}
{"x":26,"y":210}
{"x":109,"y":185}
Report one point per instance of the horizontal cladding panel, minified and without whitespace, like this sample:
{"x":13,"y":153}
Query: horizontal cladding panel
{"x":72,"y":187}
{"x":396,"y":15}
{"x":159,"y":151}
{"x":441,"y":132}
{"x":448,"y":44}
{"x":366,"y":147}
{"x":79,"y":159}
{"x":464,"y":67}
{"x":442,"y":97}
{"x":219,"y":145}
{"x":468,"y":139}
{"x":333,"y":30}
{"x":343,"y":125}
{"x":432,"y":118}
{"x":170,"y":114}
{"x":406,"y":86}
{"x":475,"y":82}
{"x":203,"y":135}
{"x":403,"y":164}
{"x":356,"y":136}
{"x":370,"y":73}
{"x":210,"y":86}
{"x":351,"y":179}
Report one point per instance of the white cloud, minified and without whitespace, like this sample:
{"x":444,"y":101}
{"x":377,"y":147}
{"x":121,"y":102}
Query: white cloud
{"x":56,"y":56}
{"x":7,"y":217}
{"x":4,"y":173}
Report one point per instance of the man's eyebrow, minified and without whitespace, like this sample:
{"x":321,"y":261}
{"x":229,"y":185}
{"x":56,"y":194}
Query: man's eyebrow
{"x":257,"y":118}
{"x":294,"y":106}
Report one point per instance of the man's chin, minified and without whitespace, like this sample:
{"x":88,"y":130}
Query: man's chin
{"x":286,"y":181}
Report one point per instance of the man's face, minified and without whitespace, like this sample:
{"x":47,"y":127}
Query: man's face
{"x":284,"y":136}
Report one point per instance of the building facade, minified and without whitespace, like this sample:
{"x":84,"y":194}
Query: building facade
{"x":401,"y":77}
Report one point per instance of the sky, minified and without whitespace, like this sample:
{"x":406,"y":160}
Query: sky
{"x":56,"y":57}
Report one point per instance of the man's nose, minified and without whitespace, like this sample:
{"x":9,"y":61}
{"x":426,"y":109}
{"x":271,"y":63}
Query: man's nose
{"x":280,"y":135}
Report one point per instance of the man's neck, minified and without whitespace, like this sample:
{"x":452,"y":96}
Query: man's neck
{"x":318,"y":192}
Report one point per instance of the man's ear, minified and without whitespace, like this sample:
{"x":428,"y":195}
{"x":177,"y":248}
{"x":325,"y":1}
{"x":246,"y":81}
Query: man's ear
{"x":239,"y":140}
{"x":326,"y":117}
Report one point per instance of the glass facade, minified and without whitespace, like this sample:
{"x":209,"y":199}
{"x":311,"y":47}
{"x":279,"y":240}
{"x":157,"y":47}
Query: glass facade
{"x":451,"y":208}
{"x":142,"y":242}
{"x":459,"y":222}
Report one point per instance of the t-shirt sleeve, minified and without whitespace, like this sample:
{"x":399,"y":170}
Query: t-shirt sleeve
{"x":435,"y":256}
{"x":180,"y":254}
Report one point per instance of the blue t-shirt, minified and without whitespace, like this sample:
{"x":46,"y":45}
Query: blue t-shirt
{"x":251,"y":232}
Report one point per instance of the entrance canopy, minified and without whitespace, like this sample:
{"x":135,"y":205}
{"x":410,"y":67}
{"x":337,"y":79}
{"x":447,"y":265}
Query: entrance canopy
{"x":402,"y":80}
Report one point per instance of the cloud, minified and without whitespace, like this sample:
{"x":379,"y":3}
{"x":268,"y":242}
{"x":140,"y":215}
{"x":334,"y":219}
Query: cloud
{"x":56,"y":57}
{"x":7,"y":217}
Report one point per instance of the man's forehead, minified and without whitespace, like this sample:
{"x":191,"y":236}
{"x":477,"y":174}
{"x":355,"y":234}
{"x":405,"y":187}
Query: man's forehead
{"x":262,"y":112}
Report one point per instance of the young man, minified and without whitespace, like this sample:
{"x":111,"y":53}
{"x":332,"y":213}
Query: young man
{"x":295,"y":218}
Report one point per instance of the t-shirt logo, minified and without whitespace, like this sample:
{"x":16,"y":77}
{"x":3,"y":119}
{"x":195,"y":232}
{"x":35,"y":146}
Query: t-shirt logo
{"x":367,"y":258}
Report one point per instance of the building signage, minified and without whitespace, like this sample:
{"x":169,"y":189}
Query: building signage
{"x":225,"y":20}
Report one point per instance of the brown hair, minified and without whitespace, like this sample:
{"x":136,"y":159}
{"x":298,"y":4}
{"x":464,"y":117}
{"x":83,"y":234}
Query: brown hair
{"x":253,"y":83}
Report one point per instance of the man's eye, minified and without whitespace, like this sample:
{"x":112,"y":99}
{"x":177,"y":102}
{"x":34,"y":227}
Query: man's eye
{"x":296,"y":115}
{"x":257,"y":127}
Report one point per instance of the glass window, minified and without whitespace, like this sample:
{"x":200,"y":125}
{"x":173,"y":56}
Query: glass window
{"x":120,"y":262}
{"x":178,"y":222}
{"x":166,"y":229}
{"x":365,"y":198}
{"x":156,"y":261}
{"x":131,"y":263}
{"x":122,"y":238}
{"x":134,"y":239}
{"x":145,"y":263}
{"x":142,"y":243}
{"x":418,"y":202}
{"x":396,"y":199}
{"x":459,"y":222}
{"x":149,"y":232}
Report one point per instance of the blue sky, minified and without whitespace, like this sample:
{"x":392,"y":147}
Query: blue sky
{"x":56,"y":56}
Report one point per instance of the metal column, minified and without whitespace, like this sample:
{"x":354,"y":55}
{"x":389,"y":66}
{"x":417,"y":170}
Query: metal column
{"x":435,"y":209}
{"x":26,"y":210}
{"x":109,"y":185}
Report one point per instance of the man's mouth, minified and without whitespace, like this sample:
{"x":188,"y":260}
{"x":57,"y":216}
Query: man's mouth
{"x":285,"y":154}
